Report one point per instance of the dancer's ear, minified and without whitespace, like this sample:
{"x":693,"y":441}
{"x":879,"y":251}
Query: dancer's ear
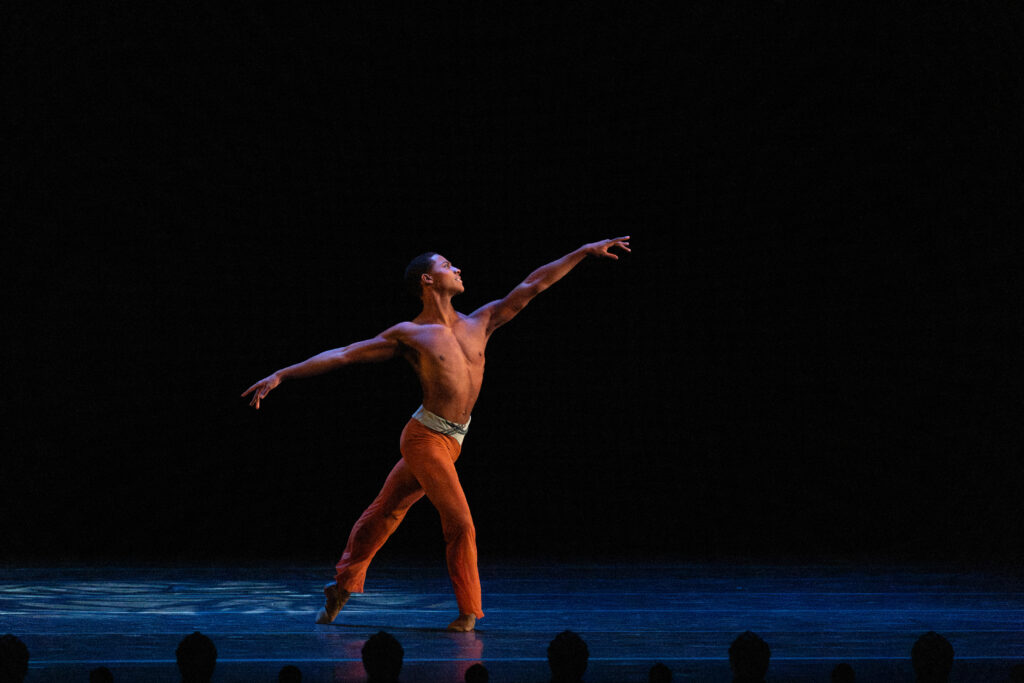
{"x":426,"y":279}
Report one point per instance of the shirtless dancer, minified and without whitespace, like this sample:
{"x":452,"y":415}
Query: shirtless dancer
{"x":446,"y":349}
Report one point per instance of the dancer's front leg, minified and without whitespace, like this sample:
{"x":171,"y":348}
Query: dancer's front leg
{"x":435,"y":470}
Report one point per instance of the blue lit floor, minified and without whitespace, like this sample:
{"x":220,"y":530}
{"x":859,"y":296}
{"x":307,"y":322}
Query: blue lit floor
{"x":631,"y":615}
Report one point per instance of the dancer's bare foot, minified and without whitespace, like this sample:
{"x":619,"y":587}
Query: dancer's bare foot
{"x":464,"y":623}
{"x":335,"y":600}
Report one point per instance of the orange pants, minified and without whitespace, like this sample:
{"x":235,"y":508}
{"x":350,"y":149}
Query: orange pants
{"x":427,"y":467}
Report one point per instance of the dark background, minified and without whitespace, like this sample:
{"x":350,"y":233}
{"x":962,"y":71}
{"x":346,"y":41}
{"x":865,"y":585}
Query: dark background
{"x":814,"y":350}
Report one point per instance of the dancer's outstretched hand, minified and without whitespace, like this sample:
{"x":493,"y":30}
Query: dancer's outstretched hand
{"x":260,"y":390}
{"x":602,"y":249}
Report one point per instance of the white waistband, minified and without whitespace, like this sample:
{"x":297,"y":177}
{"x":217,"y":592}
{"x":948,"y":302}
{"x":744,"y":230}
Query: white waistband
{"x":440,"y":425}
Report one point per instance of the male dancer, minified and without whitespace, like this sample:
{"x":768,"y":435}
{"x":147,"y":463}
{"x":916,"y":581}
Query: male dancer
{"x":446,"y":349}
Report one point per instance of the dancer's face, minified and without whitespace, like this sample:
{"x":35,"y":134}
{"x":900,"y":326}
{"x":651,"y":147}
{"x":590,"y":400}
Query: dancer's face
{"x":445,"y":275}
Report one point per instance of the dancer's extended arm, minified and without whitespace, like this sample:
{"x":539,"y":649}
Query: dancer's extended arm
{"x":383,"y":347}
{"x":501,"y":311}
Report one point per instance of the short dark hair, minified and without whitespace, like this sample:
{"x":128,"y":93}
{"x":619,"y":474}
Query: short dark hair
{"x":419,"y":265}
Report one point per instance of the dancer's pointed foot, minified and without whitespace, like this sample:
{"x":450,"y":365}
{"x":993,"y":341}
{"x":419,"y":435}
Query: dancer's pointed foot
{"x":464,"y":623}
{"x":335,"y":600}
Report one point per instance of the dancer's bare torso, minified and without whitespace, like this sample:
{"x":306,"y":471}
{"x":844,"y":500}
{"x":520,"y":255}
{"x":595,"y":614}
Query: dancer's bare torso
{"x":449,"y":361}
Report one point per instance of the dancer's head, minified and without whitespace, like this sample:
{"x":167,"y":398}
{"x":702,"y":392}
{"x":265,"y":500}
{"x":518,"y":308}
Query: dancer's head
{"x":432,"y":271}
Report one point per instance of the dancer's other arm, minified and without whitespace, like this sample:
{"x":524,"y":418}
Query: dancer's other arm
{"x":384,"y":346}
{"x":501,"y":311}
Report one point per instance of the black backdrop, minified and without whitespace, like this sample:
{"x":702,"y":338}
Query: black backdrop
{"x":813,"y":351}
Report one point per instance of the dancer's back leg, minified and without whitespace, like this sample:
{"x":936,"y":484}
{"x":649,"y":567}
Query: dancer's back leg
{"x":371,"y":530}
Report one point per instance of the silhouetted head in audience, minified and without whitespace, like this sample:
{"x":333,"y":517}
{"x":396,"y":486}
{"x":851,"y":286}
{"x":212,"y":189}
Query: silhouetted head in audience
{"x":289,"y":674}
{"x":13,"y":659}
{"x":659,"y":674}
{"x":477,"y":673}
{"x":843,"y":673}
{"x":567,"y":657}
{"x":382,"y":658}
{"x":932,"y":657}
{"x":1017,"y":673}
{"x":748,"y":658}
{"x":101,"y":674}
{"x":197,"y":658}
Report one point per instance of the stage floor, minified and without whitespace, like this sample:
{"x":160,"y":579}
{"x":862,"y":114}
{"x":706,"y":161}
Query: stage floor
{"x":631,"y":616}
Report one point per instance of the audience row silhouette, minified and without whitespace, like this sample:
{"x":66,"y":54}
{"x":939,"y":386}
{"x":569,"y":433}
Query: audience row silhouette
{"x":568,"y":655}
